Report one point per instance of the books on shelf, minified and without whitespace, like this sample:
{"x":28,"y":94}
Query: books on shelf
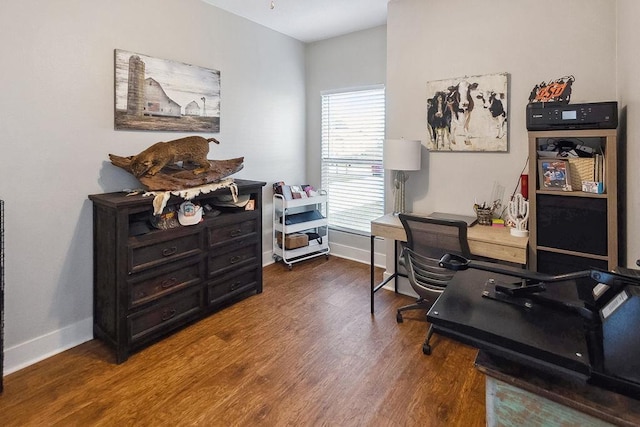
{"x":599,"y":170}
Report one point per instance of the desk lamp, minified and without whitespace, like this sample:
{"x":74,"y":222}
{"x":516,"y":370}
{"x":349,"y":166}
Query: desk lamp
{"x":401,"y":155}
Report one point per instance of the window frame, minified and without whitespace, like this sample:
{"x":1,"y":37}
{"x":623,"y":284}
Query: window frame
{"x":366,"y":167}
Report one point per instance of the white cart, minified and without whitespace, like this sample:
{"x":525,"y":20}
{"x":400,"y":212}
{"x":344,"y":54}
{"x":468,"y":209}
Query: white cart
{"x":286,"y":214}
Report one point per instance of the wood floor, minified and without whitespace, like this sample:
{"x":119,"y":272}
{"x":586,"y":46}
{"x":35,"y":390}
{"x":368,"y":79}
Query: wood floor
{"x":305,"y":352}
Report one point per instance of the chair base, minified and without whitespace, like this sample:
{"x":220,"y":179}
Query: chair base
{"x":426,"y":347}
{"x":420,"y":303}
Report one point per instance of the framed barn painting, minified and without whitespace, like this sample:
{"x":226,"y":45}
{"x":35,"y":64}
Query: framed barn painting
{"x":468,"y":114}
{"x":163,"y":95}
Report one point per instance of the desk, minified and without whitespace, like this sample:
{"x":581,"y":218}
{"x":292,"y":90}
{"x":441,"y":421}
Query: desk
{"x":490,"y":242}
{"x":541,"y":357}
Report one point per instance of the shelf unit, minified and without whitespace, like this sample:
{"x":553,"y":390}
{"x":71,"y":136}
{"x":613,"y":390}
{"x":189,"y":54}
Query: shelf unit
{"x":282,"y":209}
{"x":574,"y":230}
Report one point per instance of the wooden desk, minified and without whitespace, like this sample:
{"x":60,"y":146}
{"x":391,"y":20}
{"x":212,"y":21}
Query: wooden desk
{"x":490,"y":242}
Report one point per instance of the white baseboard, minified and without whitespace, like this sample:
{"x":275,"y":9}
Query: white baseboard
{"x":22,"y":355}
{"x":341,"y":251}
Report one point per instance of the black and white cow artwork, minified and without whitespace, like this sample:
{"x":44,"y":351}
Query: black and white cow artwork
{"x":460,"y":102}
{"x":439,"y":119}
{"x":493,"y":102}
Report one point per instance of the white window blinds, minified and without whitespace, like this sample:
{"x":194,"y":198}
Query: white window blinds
{"x":352,"y":173}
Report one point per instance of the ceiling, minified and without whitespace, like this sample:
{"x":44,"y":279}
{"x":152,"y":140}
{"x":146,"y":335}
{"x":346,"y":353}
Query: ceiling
{"x":309,"y":20}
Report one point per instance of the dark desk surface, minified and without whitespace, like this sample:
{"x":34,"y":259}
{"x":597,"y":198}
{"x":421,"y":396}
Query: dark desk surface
{"x":541,"y":335}
{"x":543,"y":349}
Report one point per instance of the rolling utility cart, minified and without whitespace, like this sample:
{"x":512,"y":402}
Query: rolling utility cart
{"x":300,"y":229}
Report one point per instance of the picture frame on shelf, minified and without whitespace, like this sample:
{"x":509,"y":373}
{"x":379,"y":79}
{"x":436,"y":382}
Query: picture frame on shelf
{"x":554,"y":174}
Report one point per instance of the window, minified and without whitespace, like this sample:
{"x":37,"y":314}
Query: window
{"x":352,"y":172}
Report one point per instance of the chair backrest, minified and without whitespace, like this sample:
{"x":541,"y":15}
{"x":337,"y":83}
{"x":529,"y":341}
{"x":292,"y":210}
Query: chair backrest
{"x":433,"y":237}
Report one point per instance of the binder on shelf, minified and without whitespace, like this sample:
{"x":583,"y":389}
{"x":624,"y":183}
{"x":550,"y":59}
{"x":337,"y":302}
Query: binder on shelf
{"x":307,"y":216}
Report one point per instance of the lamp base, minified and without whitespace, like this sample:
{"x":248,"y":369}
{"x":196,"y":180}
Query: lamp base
{"x":398,"y":181}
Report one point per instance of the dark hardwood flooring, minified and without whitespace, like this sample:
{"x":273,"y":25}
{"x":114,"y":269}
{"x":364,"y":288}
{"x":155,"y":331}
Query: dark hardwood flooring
{"x":307,"y":351}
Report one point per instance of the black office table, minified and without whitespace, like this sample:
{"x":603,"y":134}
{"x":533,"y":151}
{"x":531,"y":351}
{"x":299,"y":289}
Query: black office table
{"x":540,"y":339}
{"x":543,"y":337}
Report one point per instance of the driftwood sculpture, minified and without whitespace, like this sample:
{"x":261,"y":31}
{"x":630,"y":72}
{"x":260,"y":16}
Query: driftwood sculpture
{"x":157,"y":170}
{"x":192,"y":149}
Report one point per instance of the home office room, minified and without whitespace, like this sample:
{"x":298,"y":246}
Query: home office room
{"x":119,"y":308}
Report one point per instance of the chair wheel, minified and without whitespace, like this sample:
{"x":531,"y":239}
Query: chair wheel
{"x":399,"y":317}
{"x":426,"y":349}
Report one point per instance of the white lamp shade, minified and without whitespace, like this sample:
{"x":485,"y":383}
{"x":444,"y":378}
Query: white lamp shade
{"x":402,"y":154}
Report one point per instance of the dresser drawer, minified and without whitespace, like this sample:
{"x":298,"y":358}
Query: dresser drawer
{"x":165,"y":316}
{"x":158,"y":253}
{"x":162,"y":284}
{"x":240,"y":229}
{"x":231,"y":286}
{"x":232,"y":259}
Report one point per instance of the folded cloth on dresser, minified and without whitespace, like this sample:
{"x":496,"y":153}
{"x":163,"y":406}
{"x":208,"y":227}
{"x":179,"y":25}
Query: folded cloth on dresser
{"x":160,"y":198}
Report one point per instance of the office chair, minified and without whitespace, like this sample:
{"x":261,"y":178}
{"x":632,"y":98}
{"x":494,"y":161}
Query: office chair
{"x":428,"y":239}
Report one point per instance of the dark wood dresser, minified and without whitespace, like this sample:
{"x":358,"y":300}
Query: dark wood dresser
{"x":150,"y":282}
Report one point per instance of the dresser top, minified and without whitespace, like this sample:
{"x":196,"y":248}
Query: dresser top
{"x":119,"y":199}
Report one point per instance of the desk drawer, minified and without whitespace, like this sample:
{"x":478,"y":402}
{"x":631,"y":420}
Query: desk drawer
{"x":159,"y":253}
{"x":165,"y":316}
{"x":152,"y":288}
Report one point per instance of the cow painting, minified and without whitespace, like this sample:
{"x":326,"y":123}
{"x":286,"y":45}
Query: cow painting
{"x":460,"y":103}
{"x":474,"y":114}
{"x":439,"y":119}
{"x":493,"y":102}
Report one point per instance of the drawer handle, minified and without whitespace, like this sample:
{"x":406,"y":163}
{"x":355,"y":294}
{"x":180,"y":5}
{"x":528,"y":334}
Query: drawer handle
{"x":168,"y":314}
{"x":235,"y":259}
{"x":236,"y":285}
{"x":168,"y":283}
{"x":236,"y":233}
{"x":169,"y":251}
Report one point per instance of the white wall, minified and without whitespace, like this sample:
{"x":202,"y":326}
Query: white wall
{"x":629,"y":98}
{"x":442,"y":39}
{"x":56,"y":128}
{"x":346,"y":62}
